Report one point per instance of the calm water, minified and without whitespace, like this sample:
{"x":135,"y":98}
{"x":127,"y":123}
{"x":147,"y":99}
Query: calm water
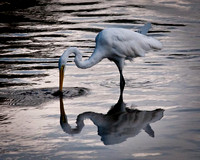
{"x":162,"y":89}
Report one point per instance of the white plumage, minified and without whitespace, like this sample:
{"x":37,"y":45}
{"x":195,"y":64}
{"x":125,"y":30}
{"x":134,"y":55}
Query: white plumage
{"x":117,"y":45}
{"x":125,"y":43}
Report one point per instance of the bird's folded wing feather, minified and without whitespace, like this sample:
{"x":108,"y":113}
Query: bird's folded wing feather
{"x":130,"y":44}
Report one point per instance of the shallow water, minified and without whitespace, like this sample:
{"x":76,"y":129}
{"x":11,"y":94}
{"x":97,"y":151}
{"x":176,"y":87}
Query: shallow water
{"x":33,"y":36}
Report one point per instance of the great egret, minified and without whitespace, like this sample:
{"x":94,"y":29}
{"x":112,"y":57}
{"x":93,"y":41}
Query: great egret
{"x":117,"y":45}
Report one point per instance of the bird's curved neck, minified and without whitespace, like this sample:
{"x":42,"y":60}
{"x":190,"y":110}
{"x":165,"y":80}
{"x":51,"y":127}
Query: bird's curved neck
{"x":78,"y":58}
{"x":71,"y":50}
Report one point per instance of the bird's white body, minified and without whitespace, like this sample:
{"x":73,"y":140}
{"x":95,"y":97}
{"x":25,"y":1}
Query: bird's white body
{"x":117,"y":45}
{"x":114,"y":44}
{"x":123,"y":43}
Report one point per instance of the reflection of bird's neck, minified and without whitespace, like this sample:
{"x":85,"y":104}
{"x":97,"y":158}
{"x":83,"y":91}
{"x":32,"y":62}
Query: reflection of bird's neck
{"x":64,"y":122}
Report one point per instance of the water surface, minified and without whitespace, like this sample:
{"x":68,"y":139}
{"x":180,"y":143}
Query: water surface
{"x":34,"y":34}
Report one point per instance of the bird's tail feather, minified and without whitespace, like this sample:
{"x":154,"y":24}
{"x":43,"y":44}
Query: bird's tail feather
{"x":154,"y":43}
{"x":145,"y":28}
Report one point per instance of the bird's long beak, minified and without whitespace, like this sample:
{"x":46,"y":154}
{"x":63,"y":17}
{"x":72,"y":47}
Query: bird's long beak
{"x":61,"y":75}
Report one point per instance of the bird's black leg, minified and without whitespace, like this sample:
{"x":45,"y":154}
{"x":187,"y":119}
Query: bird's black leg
{"x":122,"y":82}
{"x":120,"y":65}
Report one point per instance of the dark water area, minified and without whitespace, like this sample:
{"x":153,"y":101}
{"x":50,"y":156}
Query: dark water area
{"x":36,"y":97}
{"x":158,"y":117}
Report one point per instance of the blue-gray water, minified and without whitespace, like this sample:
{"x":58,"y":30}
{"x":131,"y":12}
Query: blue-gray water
{"x":164,"y":86}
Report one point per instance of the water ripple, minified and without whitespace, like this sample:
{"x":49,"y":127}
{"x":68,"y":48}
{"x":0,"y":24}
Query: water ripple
{"x":35,"y":97}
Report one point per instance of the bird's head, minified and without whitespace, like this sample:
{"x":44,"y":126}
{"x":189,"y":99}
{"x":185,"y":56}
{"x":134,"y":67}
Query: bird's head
{"x":61,"y":64}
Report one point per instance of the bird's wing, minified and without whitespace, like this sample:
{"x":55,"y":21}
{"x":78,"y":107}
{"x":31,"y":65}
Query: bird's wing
{"x":129,"y":44}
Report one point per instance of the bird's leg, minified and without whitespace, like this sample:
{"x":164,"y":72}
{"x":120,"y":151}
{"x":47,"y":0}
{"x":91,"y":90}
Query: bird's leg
{"x":122,"y":82}
{"x":120,"y":66}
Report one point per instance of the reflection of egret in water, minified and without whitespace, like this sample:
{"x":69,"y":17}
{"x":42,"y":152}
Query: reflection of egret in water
{"x":117,"y":125}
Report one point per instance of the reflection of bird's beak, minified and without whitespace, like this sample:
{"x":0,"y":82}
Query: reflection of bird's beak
{"x":61,"y":74}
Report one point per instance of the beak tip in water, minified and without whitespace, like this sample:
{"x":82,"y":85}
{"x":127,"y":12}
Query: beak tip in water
{"x":58,"y":93}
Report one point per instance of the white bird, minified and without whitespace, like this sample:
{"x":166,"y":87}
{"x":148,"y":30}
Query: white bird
{"x":117,"y":45}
